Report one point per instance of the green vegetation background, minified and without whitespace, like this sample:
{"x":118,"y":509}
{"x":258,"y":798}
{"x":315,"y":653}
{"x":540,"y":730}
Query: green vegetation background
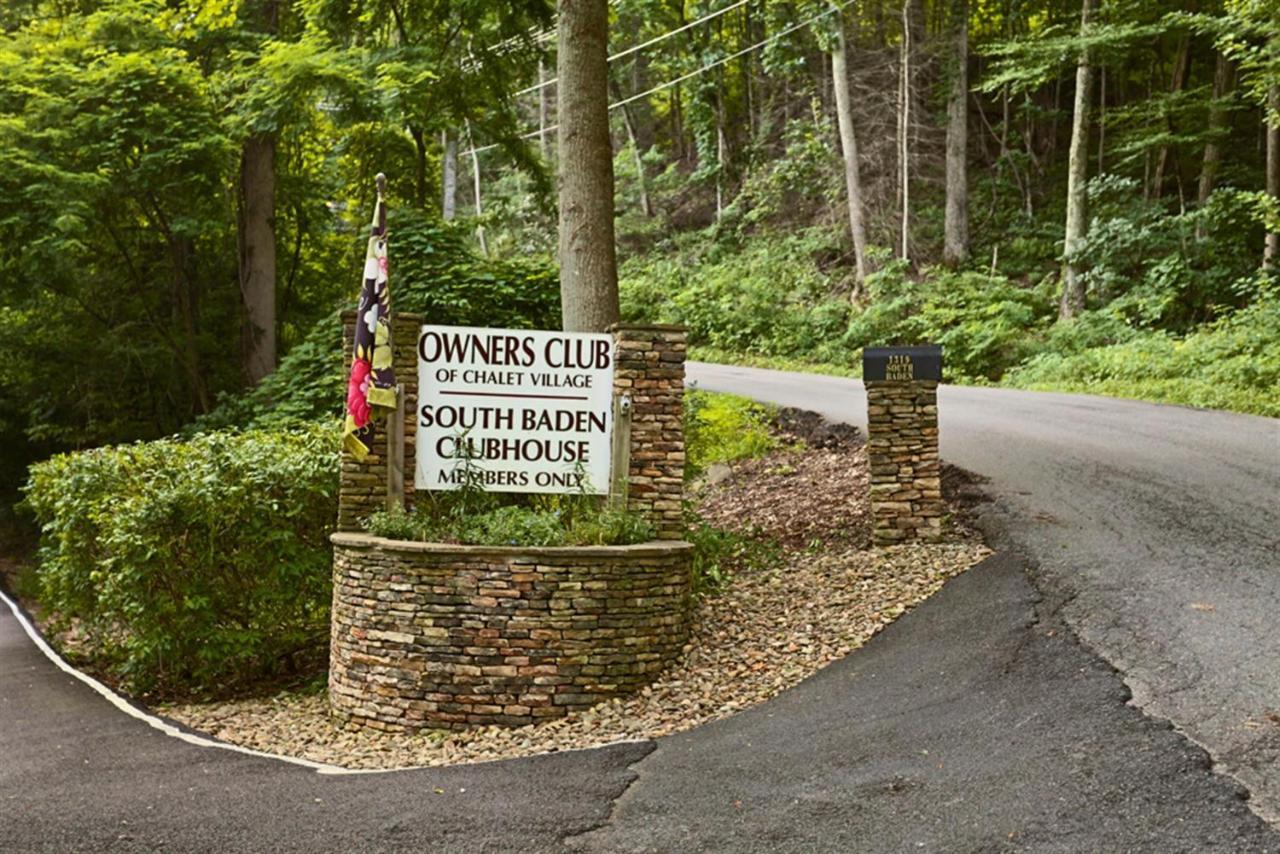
{"x":161,"y":480}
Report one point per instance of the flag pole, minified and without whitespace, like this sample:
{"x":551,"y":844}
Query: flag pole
{"x":395,"y":419}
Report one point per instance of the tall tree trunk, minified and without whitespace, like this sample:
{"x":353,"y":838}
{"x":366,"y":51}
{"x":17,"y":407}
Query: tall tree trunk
{"x":258,"y":254}
{"x":720,"y":154}
{"x":1223,"y":80}
{"x":917,"y":20}
{"x":1271,"y":251}
{"x":904,"y":127}
{"x":185,"y":306}
{"x":849,"y":146}
{"x":628,"y":120}
{"x":475,"y":186}
{"x":420,"y":167}
{"x":956,"y":218}
{"x":1077,"y":174}
{"x":677,"y":123}
{"x":449,"y":177}
{"x":1102,"y":119}
{"x":588,"y":264}
{"x":544,"y":146}
{"x":1181,"y":65}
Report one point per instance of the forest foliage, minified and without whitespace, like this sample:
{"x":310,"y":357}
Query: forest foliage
{"x":175,"y":173}
{"x":128,"y":128}
{"x":195,"y":565}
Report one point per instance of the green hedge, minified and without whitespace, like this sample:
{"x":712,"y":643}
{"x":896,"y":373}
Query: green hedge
{"x":196,"y":564}
{"x":1233,"y":363}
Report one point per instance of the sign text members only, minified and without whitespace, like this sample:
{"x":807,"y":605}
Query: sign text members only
{"x":522,"y":411}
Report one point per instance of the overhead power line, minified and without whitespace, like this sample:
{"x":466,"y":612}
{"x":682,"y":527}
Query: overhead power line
{"x":683,"y":77}
{"x":650,"y":42}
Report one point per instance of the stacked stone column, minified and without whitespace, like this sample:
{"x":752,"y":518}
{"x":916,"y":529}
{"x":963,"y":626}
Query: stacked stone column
{"x":362,"y":487}
{"x":902,"y":447}
{"x":649,"y":368}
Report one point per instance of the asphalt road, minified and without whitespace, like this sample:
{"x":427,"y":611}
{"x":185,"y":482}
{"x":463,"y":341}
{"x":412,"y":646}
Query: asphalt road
{"x":974,"y":723}
{"x":1156,"y":530}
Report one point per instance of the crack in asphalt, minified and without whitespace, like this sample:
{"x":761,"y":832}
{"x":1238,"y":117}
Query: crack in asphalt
{"x":1053,"y":590}
{"x":582,"y":840}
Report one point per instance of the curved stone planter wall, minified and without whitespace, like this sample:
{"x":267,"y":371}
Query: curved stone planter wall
{"x":432,"y":635}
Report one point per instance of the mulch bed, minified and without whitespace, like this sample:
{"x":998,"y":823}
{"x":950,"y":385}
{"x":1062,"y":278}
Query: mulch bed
{"x":769,"y":630}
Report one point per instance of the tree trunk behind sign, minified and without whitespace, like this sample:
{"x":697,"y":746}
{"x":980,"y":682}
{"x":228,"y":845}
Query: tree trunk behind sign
{"x":588,"y":267}
{"x":1271,"y":251}
{"x":849,"y":146}
{"x":1077,"y":174}
{"x":258,"y":253}
{"x":956,"y":218}
{"x":449,"y":177}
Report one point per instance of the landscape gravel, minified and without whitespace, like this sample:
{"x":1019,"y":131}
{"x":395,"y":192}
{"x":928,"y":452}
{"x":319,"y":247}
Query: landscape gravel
{"x":766,"y":632}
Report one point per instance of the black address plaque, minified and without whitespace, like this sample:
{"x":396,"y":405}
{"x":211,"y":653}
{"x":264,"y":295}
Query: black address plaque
{"x":922,"y":362}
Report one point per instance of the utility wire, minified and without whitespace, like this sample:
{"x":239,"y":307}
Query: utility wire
{"x":650,"y":42}
{"x":682,"y":77}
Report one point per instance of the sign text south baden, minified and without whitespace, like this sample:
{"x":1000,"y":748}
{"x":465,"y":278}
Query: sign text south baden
{"x":514,"y":410}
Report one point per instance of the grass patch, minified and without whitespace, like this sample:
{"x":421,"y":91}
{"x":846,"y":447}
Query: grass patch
{"x":723,"y":428}
{"x":777,"y":363}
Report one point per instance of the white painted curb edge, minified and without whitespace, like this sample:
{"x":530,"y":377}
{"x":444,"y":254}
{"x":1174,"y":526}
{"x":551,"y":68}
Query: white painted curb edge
{"x":200,"y":741}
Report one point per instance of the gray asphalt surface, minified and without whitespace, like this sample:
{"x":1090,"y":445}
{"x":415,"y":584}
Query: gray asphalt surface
{"x":974,"y":723}
{"x":1156,"y":529}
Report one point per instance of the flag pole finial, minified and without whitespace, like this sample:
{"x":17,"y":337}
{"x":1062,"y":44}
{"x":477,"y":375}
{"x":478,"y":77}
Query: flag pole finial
{"x":381,"y":180}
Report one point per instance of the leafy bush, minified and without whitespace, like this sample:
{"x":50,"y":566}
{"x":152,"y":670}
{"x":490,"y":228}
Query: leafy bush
{"x":721,"y":428}
{"x":767,"y":297}
{"x":1231,"y":364}
{"x":1168,"y":271}
{"x":433,"y":273}
{"x":981,"y":321}
{"x":551,"y":520}
{"x":192,"y":564}
{"x":772,"y":298}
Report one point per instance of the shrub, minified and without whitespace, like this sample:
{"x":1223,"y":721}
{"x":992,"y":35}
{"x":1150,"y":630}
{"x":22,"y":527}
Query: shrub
{"x":541,"y":520}
{"x":767,"y":297}
{"x":721,"y":428}
{"x":982,"y":321}
{"x":719,"y":554}
{"x":434,"y":273}
{"x":1231,"y":364}
{"x":192,"y":565}
{"x":1164,"y":270}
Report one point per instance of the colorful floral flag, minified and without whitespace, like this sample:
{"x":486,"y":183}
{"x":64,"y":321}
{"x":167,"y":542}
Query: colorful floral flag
{"x":371,"y":389}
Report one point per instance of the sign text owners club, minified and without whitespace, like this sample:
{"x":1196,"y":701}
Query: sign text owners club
{"x":514,"y":410}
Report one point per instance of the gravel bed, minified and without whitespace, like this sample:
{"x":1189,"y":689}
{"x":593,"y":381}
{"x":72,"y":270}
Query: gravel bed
{"x":769,"y":630}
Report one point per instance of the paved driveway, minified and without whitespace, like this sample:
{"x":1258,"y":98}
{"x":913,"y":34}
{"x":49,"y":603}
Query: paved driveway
{"x":974,"y":723}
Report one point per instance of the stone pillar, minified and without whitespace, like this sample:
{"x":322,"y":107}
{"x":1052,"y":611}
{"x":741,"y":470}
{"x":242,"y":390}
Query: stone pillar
{"x":649,"y":368}
{"x":362,"y":487}
{"x":902,"y":443}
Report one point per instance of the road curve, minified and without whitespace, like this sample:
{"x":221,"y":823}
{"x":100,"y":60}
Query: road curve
{"x":975,"y":722}
{"x":1155,"y":528}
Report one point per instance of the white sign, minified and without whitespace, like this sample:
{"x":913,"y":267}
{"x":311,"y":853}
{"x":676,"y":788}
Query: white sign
{"x":514,"y":410}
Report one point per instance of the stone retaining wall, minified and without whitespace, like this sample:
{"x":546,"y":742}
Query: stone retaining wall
{"x":649,"y":369}
{"x":902,"y":449}
{"x":431,"y":635}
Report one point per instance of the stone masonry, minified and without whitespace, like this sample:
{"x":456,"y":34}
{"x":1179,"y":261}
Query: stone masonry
{"x":649,"y":367}
{"x":363,"y":486}
{"x":902,"y":447}
{"x":431,"y":635}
